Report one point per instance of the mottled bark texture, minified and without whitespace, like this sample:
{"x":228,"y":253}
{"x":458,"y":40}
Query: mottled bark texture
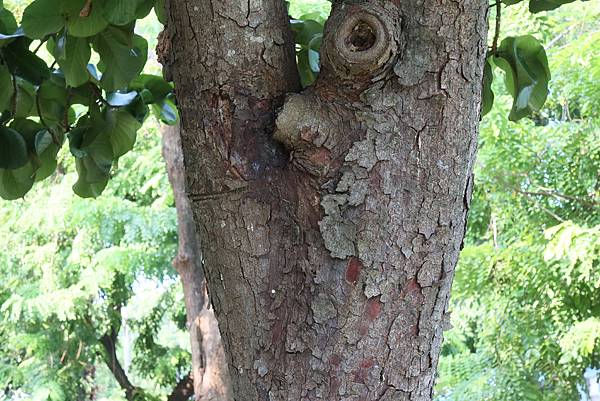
{"x":209,"y":368}
{"x":330,"y":261}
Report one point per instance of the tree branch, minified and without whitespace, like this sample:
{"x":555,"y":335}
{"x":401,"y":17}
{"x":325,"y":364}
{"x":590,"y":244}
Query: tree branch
{"x":497,"y":28}
{"x":111,"y":360}
{"x":184,"y":389}
{"x":555,"y":194}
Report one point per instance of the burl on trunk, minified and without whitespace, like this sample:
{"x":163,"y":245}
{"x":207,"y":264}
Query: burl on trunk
{"x":330,"y":219}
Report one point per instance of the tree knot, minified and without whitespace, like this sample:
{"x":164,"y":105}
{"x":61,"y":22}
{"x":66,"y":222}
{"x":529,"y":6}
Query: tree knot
{"x":362,"y":40}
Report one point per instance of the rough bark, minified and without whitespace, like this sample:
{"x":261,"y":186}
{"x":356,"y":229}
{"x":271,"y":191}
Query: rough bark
{"x":330,"y":262}
{"x":209,"y":369}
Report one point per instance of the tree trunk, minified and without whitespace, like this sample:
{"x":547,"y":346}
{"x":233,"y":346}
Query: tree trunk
{"x":209,"y":369}
{"x":330,"y":260}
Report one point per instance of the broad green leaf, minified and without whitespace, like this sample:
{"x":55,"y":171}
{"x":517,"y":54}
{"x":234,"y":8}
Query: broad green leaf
{"x":52,"y":102}
{"x":7,"y":91}
{"x":124,"y":56}
{"x":6,"y":39}
{"x":43,"y":139}
{"x":306,"y":30}
{"x":83,"y":21}
{"x":25,"y":99}
{"x":487,"y":96}
{"x":119,"y":99}
{"x":160,"y":11}
{"x":84,"y":188}
{"x":13,"y":149}
{"x":28,"y":129}
{"x":8,"y":23}
{"x":144,"y":7}
{"x":307,"y":76}
{"x":45,"y":163}
{"x":123,"y":135}
{"x":41,"y":18}
{"x":166,"y":112}
{"x":120,"y":12}
{"x":74,"y":60}
{"x":22,"y":62}
{"x":525,"y":64}
{"x":14,"y":184}
{"x":157,"y":86}
{"x":536,"y":6}
{"x":138,"y":108}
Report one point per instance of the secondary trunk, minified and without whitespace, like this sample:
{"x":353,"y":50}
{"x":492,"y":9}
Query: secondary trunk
{"x":209,"y":369}
{"x":330,"y":259}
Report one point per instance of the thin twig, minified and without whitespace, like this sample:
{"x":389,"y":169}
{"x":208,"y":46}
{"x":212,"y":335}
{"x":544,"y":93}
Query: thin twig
{"x":497,"y":28}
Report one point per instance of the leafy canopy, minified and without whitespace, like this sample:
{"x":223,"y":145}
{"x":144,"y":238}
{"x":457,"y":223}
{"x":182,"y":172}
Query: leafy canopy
{"x":94,"y":93}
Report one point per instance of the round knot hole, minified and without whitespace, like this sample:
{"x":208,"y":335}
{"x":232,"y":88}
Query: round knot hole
{"x":362,"y":37}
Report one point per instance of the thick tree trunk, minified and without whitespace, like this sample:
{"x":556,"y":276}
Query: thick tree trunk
{"x":330,"y":261}
{"x":209,"y":369}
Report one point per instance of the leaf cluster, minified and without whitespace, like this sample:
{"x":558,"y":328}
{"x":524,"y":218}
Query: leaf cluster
{"x":93,"y":95}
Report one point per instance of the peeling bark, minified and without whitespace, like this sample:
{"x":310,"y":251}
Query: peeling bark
{"x":330,"y":259}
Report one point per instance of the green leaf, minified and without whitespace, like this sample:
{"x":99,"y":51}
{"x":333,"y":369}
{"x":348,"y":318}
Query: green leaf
{"x":43,"y":139}
{"x":123,"y":54}
{"x":525,"y":64}
{"x":44,"y":160}
{"x":307,"y":76}
{"x":306,"y":30}
{"x":74,"y":60}
{"x":14,"y":184}
{"x":536,"y":6}
{"x":120,"y":12}
{"x":487,"y":97}
{"x":28,"y":129}
{"x":25,"y":99}
{"x":52,"y":102}
{"x":157,"y":86}
{"x":123,"y":135}
{"x":119,"y":99}
{"x":8,"y":23}
{"x":160,"y":11}
{"x":144,"y":7}
{"x":41,"y":18}
{"x":24,"y":63}
{"x":13,"y":149}
{"x":7,"y":39}
{"x":83,"y":22}
{"x":7,"y":92}
{"x":166,"y":112}
{"x":84,"y":188}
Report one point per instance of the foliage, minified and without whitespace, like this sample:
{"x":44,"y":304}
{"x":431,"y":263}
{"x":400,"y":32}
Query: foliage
{"x":526,"y":297}
{"x":73,"y":270}
{"x":94,"y":93}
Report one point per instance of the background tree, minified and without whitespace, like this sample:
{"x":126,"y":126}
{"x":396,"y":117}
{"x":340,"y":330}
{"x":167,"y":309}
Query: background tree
{"x":525,"y":297}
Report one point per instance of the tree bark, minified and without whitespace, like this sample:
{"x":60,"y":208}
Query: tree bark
{"x":330,"y":260}
{"x":209,"y":369}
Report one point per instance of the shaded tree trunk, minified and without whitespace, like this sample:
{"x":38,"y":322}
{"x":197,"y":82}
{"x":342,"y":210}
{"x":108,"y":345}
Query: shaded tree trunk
{"x":209,"y":369}
{"x":331,"y":220}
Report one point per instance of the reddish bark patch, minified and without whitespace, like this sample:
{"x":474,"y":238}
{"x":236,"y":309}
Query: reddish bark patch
{"x":373,"y":308}
{"x":353,"y":270}
{"x":277,"y":331}
{"x":411,"y":288}
{"x":335,"y":360}
{"x":361,"y":374}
